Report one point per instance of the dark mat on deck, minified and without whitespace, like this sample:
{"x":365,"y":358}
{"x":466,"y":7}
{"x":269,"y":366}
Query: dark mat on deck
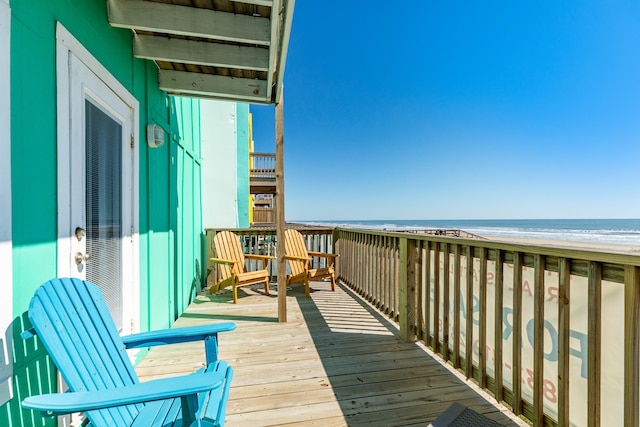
{"x":458,"y":415}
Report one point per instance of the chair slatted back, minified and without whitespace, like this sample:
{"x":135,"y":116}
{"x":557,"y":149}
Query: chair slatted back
{"x":295,"y":246}
{"x":227,"y":246}
{"x":72,"y":318}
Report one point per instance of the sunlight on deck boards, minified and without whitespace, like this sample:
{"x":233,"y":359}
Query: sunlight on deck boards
{"x":336,"y":362}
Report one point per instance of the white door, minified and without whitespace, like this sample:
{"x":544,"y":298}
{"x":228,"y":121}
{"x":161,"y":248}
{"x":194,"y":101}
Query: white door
{"x":96,"y":190}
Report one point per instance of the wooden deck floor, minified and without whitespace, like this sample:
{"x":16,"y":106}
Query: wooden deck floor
{"x":336,"y":362}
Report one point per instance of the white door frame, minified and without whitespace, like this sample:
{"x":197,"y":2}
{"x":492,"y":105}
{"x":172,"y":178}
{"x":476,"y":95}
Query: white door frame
{"x":68,"y":49}
{"x":6,"y":262}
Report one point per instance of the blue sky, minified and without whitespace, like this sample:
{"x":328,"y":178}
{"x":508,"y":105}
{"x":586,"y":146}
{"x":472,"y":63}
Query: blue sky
{"x":461,"y":110}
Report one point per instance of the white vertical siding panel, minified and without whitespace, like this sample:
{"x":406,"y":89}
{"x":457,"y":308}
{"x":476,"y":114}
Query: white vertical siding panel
{"x":6,"y":264}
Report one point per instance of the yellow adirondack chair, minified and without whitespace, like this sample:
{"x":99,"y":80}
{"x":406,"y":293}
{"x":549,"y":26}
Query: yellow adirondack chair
{"x":300,"y":262}
{"x":232,"y":268}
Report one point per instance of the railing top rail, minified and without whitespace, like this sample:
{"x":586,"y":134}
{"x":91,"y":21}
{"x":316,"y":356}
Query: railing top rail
{"x":612,"y":257}
{"x":263,"y":155}
{"x":272,"y":229}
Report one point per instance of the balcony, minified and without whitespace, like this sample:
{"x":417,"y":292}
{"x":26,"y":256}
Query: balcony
{"x":263,"y":216}
{"x":262,"y":173}
{"x":399,"y":342}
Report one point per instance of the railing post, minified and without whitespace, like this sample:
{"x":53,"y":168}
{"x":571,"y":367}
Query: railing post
{"x":436,"y":297}
{"x":335,"y":237}
{"x":482,"y":320}
{"x":407,"y":302}
{"x":631,"y":346}
{"x":427,"y":296}
{"x":538,"y":340}
{"x":446,"y":300}
{"x":456,"y":305}
{"x":498,"y":324}
{"x":468,"y":340}
{"x":564,"y":334}
{"x":594,"y":359}
{"x":516,"y":363}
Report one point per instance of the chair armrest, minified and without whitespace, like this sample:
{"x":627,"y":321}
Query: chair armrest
{"x":223,"y":261}
{"x":166,"y":388}
{"x":175,"y":335}
{"x":297,"y":258}
{"x":206,"y":333}
{"x":264,"y":257}
{"x":322,"y":254}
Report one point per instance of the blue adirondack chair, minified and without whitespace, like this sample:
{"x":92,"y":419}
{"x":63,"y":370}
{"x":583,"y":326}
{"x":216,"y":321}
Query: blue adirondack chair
{"x":71,"y":318}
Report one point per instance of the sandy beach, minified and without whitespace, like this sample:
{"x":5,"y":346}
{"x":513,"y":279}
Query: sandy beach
{"x":572,"y":244}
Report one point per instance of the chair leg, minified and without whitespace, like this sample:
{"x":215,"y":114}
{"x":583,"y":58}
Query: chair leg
{"x":266,"y":287}
{"x":333,"y":283}
{"x":307,"y":289}
{"x":235,"y":294}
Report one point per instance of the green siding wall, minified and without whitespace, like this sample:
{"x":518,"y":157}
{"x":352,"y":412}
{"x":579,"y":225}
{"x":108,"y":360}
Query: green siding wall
{"x":169,"y":200}
{"x":174,"y":214}
{"x":189,"y":209}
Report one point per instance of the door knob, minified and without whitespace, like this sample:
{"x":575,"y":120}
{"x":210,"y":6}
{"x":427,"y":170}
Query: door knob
{"x":80,"y":258}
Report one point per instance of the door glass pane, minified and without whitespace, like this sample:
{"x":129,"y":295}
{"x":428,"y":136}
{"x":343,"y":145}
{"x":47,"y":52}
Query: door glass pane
{"x":104,"y":211}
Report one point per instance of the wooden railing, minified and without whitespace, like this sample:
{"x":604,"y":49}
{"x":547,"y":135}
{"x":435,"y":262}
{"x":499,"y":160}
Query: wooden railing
{"x":263,"y":241}
{"x":264,"y":216}
{"x":263,"y":165}
{"x":545,"y":326}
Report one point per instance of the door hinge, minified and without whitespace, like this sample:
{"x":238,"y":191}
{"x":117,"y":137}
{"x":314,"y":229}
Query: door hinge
{"x":133,"y":142}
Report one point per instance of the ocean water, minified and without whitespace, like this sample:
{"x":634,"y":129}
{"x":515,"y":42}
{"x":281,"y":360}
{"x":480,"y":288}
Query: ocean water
{"x":616,"y":231}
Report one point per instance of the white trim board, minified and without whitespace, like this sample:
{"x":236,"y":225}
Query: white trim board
{"x":6,"y":262}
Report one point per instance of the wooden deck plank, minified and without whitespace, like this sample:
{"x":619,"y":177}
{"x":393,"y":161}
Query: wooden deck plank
{"x":336,"y":362}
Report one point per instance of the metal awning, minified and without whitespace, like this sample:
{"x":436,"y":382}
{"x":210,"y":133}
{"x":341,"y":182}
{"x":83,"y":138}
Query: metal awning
{"x":221,"y":49}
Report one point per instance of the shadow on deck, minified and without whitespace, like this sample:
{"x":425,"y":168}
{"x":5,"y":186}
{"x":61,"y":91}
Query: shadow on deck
{"x":337,"y":361}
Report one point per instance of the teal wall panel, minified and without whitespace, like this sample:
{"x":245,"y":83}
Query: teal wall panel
{"x":189,"y":208}
{"x":33,"y":173}
{"x":156,"y":180}
{"x":178,"y":215}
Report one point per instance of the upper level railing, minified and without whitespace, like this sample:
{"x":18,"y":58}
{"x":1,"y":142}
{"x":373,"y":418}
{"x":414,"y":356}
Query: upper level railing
{"x":263,"y":165}
{"x":264,"y":216}
{"x":552,"y":333}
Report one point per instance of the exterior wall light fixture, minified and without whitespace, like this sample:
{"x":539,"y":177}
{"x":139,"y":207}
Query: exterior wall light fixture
{"x":155,"y":135}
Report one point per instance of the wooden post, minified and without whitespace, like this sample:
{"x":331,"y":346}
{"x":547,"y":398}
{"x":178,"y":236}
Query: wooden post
{"x":279,"y":202}
{"x":482,"y":330}
{"x":564,"y":334}
{"x":407,"y":303}
{"x":446,"y":299}
{"x":631,"y":346}
{"x":498,"y":324}
{"x":456,"y":304}
{"x":594,"y":357}
{"x":335,"y":236}
{"x":517,"y":337}
{"x":538,"y":339}
{"x":436,"y":297}
{"x":468,"y":340}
